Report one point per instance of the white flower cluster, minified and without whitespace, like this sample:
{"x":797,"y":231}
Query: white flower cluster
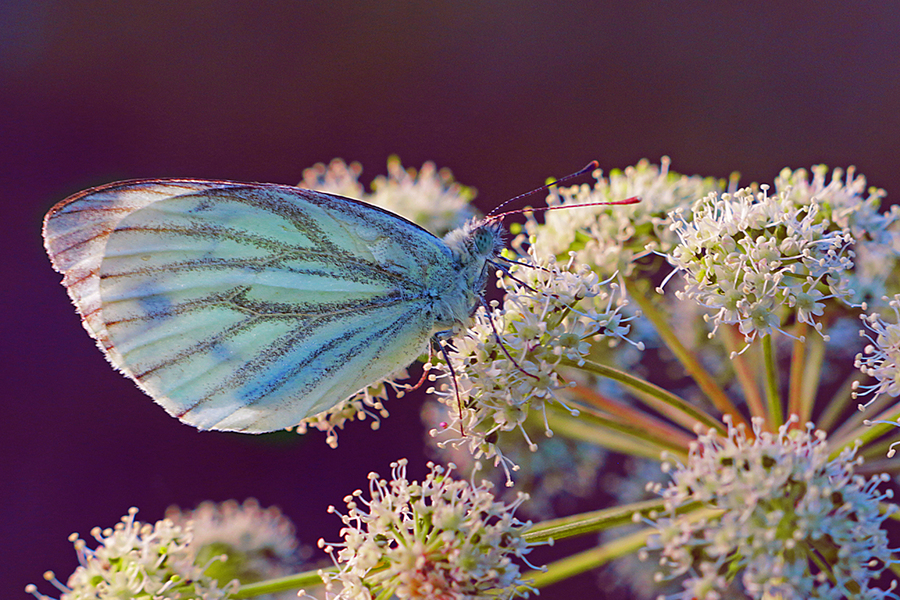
{"x":366,"y":403}
{"x":139,"y":560}
{"x":792,"y":522}
{"x":609,"y":237}
{"x":260,"y":543}
{"x":881,"y":358}
{"x":335,"y":178}
{"x":507,"y":362}
{"x":843,"y":202}
{"x":430,"y":197}
{"x":749,"y":256}
{"x":442,"y":538}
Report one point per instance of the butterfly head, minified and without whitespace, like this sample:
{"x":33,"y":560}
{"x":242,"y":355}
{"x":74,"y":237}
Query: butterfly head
{"x":476,"y":242}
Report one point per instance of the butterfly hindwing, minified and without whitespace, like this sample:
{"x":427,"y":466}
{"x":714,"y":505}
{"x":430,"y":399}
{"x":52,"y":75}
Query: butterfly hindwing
{"x":246,"y":306}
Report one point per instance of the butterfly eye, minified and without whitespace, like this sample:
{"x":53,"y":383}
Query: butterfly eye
{"x":484,"y":240}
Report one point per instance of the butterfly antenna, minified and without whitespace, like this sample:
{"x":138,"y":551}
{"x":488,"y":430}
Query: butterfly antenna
{"x":519,"y":263}
{"x":587,"y":169}
{"x":632,"y":200}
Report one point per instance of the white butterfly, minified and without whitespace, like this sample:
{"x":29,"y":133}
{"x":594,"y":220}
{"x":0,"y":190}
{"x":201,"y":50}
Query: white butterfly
{"x":249,"y":307}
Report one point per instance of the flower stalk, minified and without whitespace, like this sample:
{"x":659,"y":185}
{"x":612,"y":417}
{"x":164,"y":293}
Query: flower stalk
{"x":692,"y":365}
{"x":658,"y":398}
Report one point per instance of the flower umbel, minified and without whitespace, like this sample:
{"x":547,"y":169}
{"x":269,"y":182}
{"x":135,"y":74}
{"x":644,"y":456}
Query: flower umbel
{"x":844,"y":203}
{"x":609,"y":237}
{"x":843,"y":200}
{"x":792,"y":522}
{"x":259,"y":542}
{"x":749,"y":255}
{"x":137,"y":559}
{"x":550,"y":313}
{"x":428,"y":197}
{"x":440,"y":539}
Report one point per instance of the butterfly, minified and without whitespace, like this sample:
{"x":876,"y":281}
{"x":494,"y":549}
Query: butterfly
{"x":250,"y":307}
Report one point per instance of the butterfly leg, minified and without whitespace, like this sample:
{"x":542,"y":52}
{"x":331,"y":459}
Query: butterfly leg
{"x":438,"y":340}
{"x":426,"y":368}
{"x":508,"y":273}
{"x":500,"y":341}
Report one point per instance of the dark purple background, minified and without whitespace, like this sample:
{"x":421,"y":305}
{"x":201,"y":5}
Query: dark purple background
{"x":92,"y":92}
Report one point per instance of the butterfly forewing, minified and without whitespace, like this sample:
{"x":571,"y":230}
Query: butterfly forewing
{"x":246,"y":307}
{"x":75,"y":234}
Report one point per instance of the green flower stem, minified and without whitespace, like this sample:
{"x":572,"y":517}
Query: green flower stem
{"x":624,"y":413}
{"x":635,"y":431}
{"x":298,"y":581}
{"x":595,"y":557}
{"x":867,"y":433}
{"x":773,"y":398}
{"x":653,"y":395}
{"x":878,"y":462}
{"x":844,"y":398}
{"x":795,"y":380}
{"x":744,"y":372}
{"x":589,"y":559}
{"x":598,"y":520}
{"x":812,"y":375}
{"x":585,"y":430}
{"x":689,"y":361}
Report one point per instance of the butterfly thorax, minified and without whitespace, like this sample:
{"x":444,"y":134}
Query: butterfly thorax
{"x":472,"y":246}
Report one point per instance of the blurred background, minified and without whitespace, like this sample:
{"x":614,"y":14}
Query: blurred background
{"x":504,"y":94}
